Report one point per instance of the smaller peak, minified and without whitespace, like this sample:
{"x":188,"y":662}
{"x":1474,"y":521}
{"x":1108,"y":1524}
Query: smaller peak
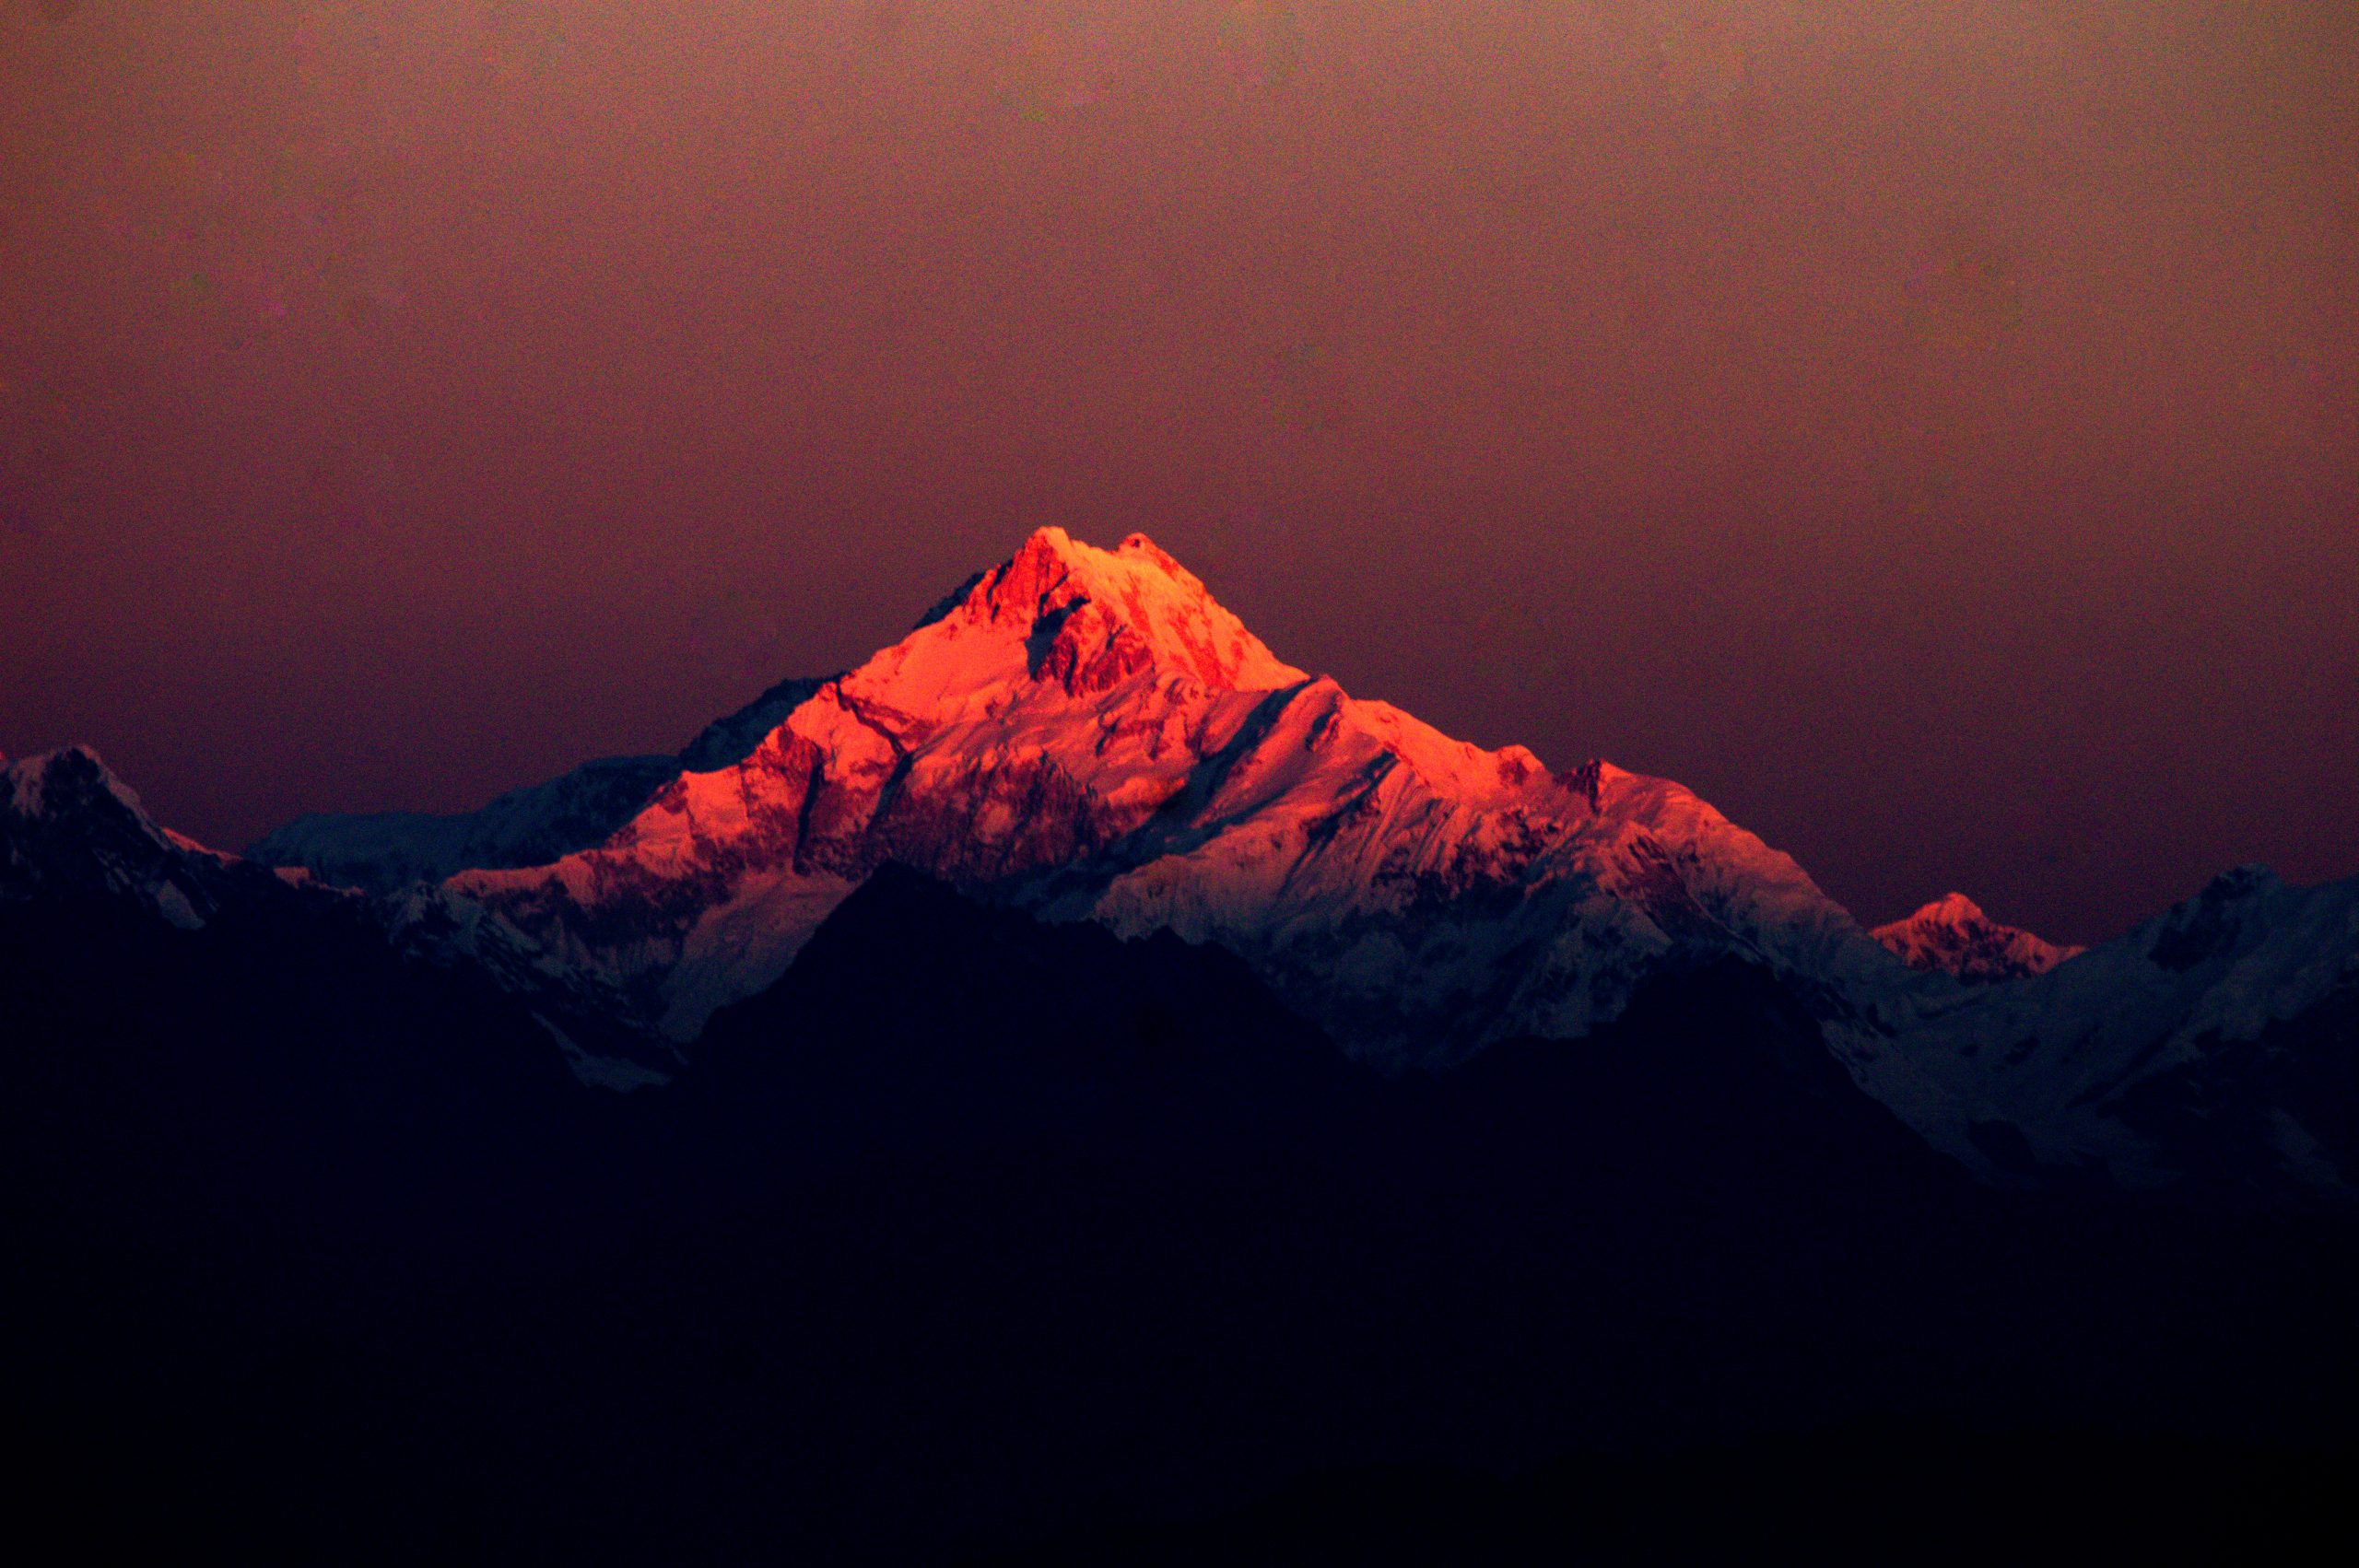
{"x":1047,"y":543}
{"x":1518,"y":763}
{"x":1951,"y":907}
{"x":2251,"y":877}
{"x":71,"y":780}
{"x":1595,"y":778}
{"x":1952,"y":934}
{"x":74,"y":766}
{"x":1139,"y":544}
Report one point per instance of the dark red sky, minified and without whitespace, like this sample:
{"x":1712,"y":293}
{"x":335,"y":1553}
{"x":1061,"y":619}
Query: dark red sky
{"x":1930,"y":430}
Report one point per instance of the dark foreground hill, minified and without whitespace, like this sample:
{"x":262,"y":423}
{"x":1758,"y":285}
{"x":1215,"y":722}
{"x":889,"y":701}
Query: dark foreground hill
{"x":974,"y":1236}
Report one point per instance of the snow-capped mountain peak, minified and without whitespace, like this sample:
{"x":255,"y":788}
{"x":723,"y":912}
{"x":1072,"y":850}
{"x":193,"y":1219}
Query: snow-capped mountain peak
{"x":1953,"y":935}
{"x":2217,"y":1035}
{"x":69,"y":778}
{"x":68,"y":825}
{"x":1088,"y":733}
{"x":1074,"y":616}
{"x":1953,"y":906}
{"x":1085,"y":734}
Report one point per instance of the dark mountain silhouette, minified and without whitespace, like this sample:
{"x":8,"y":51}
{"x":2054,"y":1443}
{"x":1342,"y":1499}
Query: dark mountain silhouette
{"x":976,"y":1234}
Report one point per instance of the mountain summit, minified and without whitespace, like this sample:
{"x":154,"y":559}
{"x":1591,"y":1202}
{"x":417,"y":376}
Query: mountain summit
{"x":70,"y":829}
{"x":1087,"y":618}
{"x":1951,"y":934}
{"x":1087,"y":735}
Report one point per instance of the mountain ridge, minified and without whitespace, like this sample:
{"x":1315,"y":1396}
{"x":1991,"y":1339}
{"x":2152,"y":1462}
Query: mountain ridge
{"x":529,"y":825}
{"x":1087,"y":735}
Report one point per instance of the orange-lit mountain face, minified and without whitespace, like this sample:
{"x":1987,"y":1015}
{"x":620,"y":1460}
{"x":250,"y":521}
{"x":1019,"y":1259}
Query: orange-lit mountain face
{"x":1953,"y":935}
{"x":1087,"y":735}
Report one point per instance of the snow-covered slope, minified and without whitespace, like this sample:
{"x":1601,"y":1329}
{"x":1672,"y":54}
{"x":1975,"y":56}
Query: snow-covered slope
{"x":530,"y":826}
{"x":71,"y":833}
{"x":2218,"y":1039}
{"x":1951,"y":934}
{"x":1088,"y":734}
{"x":728,"y":740}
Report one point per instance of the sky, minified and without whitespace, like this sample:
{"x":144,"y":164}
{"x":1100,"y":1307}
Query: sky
{"x":1929,"y":431}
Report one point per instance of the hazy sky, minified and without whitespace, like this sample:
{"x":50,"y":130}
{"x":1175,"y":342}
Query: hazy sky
{"x":1931,"y":430}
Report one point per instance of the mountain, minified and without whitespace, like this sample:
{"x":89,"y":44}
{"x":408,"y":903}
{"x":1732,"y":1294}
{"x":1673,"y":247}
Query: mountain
{"x":971,"y":1228}
{"x":2218,"y":1042}
{"x":75,"y":839}
{"x":1152,"y":1050}
{"x":383,"y":851}
{"x":71,"y":833}
{"x":1087,"y":734}
{"x":1951,"y":934}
